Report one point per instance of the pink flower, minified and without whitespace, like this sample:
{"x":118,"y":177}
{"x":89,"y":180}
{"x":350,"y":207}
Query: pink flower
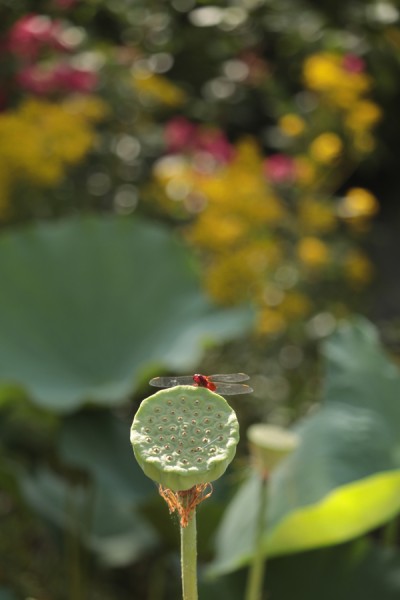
{"x":37,"y":80}
{"x":280,"y":168}
{"x":61,"y":78}
{"x":33,"y":32}
{"x":179,"y":134}
{"x":215,"y":143}
{"x":70,"y":79}
{"x":353,"y":63}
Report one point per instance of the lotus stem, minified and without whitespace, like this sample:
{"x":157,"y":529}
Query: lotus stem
{"x":189,"y":559}
{"x":254,"y":589}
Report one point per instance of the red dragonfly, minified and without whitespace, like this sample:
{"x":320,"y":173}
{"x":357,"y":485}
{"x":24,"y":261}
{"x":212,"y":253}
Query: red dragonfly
{"x":223,"y":384}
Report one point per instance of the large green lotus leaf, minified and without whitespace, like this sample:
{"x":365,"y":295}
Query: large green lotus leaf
{"x":106,"y":522}
{"x":360,"y":570}
{"x":88,"y":304}
{"x":344,"y":478}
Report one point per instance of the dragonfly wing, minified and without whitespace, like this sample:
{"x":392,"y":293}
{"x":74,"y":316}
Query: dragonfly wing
{"x":229,"y":377}
{"x":230,"y":389}
{"x":171,"y":381}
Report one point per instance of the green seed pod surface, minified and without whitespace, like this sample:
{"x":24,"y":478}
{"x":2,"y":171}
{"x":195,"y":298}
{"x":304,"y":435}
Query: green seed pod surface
{"x":184,"y":436}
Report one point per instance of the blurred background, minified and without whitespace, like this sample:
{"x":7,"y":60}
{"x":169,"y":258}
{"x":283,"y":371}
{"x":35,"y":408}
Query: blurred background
{"x":195,"y":186}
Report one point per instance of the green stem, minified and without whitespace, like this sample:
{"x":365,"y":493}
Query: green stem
{"x":257,"y":568}
{"x":189,"y":559}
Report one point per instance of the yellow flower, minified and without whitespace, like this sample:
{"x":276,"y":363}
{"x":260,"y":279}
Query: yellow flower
{"x":292,"y":125}
{"x":305,"y":170}
{"x":326,"y":148}
{"x":215,"y":233}
{"x":364,"y":142}
{"x":312,"y":252}
{"x":295,"y":305}
{"x":363,"y":116}
{"x":316,"y":216}
{"x":358,"y":203}
{"x":270,"y":322}
{"x":322,"y":71}
{"x":229,"y":279}
{"x":158,"y":88}
{"x":40,"y":139}
{"x":326,"y":74}
{"x":358,"y":268}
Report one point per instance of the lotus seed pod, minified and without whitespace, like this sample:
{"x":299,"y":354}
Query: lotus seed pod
{"x":184,"y":436}
{"x":269,"y":445}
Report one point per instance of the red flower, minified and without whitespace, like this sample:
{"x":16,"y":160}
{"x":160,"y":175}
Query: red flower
{"x":71,"y":79}
{"x":215,"y":143}
{"x":353,"y":63}
{"x":60,"y":78}
{"x":280,"y":168}
{"x":179,"y":134}
{"x":33,"y":32}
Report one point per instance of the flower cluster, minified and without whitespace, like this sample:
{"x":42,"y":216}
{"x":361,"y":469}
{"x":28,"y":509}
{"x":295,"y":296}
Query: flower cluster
{"x":45,"y":52}
{"x":48,"y":117}
{"x":40,"y":139}
{"x":342,"y":84}
{"x":273,"y":228}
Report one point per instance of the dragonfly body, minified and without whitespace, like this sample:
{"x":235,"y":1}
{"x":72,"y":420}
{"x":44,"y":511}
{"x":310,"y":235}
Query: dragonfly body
{"x":225,"y":384}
